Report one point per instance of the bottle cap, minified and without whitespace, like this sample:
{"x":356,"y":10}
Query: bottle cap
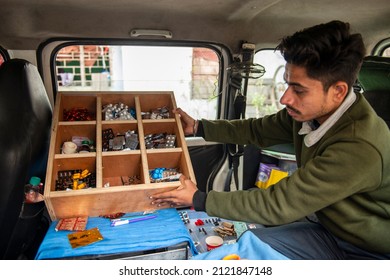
{"x":34,"y":181}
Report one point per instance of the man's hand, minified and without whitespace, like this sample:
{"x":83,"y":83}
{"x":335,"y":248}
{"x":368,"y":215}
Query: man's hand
{"x":187,"y":121}
{"x":182,"y":196}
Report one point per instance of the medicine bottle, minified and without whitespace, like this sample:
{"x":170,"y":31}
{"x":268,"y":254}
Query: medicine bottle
{"x":84,"y":147}
{"x":31,"y":190}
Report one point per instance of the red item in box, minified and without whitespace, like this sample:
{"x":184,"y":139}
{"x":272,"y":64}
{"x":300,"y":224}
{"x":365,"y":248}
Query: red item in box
{"x":72,"y":224}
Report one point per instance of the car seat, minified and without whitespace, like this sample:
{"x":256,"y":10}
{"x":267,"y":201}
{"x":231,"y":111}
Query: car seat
{"x":374,"y":79}
{"x":25,"y":121}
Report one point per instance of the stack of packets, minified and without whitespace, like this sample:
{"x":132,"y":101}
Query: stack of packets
{"x":227,"y":229}
{"x":81,"y":237}
{"x":268,"y":175}
{"x":72,"y":224}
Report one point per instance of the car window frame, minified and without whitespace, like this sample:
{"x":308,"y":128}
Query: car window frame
{"x":55,"y":44}
{"x":381,"y":46}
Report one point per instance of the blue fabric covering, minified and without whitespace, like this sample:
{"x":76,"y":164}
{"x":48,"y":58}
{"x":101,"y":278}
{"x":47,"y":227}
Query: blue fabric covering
{"x":165,"y":230}
{"x":248,"y":246}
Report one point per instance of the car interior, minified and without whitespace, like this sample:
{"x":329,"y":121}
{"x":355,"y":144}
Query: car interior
{"x":33,"y":33}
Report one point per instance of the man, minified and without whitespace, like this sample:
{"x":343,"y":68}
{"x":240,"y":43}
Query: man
{"x":342,"y":150}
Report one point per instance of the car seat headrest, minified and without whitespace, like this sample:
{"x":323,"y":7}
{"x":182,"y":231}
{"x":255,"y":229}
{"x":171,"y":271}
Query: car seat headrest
{"x":375,"y":74}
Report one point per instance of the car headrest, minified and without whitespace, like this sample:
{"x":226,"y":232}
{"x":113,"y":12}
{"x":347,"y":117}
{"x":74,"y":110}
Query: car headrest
{"x":374,"y":80}
{"x":375,"y":74}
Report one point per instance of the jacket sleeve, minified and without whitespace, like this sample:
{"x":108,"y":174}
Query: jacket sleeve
{"x":199,"y":200}
{"x":267,"y":131}
{"x":331,"y":182}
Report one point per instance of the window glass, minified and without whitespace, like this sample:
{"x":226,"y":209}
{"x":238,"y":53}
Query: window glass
{"x":191,"y":73}
{"x":264,"y":93}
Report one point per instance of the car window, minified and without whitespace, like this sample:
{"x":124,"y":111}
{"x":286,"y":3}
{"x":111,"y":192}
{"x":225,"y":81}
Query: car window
{"x":191,"y":73}
{"x":264,"y":93}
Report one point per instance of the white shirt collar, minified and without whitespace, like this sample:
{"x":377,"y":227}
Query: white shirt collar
{"x":313,"y":136}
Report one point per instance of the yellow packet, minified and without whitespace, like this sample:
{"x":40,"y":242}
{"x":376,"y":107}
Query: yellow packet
{"x":85,"y":237}
{"x":269,"y":175}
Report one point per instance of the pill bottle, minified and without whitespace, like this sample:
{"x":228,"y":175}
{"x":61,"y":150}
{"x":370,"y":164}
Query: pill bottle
{"x":84,"y":147}
{"x":31,"y":190}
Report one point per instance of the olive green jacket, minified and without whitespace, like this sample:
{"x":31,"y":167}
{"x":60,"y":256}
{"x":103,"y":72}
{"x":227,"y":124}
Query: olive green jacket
{"x":344,"y":178}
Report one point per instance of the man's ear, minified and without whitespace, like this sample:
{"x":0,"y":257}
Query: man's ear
{"x":340,"y":91}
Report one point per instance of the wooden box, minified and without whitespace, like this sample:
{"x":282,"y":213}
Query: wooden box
{"x":111,"y":194}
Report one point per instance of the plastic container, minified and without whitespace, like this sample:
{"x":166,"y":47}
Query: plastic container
{"x":32,"y":190}
{"x":69,"y":148}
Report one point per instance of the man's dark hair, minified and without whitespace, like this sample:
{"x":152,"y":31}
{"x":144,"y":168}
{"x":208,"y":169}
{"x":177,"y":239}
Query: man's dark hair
{"x":328,"y":52}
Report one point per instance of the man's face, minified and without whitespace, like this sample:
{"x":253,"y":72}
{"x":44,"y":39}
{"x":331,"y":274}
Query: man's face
{"x":305,"y":98}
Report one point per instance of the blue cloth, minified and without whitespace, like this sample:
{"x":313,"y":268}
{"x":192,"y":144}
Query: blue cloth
{"x":166,"y":230}
{"x":248,"y":246}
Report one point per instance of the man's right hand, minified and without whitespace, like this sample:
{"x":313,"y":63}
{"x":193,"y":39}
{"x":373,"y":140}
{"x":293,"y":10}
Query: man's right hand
{"x":188,"y":122}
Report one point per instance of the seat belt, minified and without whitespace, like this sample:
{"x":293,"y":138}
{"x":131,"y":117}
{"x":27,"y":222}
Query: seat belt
{"x":236,"y":151}
{"x":246,"y":69}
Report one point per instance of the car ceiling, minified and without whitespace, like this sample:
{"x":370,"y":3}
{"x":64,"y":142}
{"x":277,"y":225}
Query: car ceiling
{"x":25,"y":24}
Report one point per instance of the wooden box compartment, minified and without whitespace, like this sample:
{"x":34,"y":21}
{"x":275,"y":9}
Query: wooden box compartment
{"x":148,"y":103}
{"x":86,"y":161}
{"x":66,"y":132}
{"x":119,"y":128}
{"x":116,"y":188}
{"x":158,"y":127}
{"x":170,"y":159}
{"x":124,"y":99}
{"x":76,"y":102}
{"x":121,"y":169}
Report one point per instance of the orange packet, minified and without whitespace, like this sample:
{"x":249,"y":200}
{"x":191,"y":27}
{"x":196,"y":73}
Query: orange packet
{"x":85,"y":237}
